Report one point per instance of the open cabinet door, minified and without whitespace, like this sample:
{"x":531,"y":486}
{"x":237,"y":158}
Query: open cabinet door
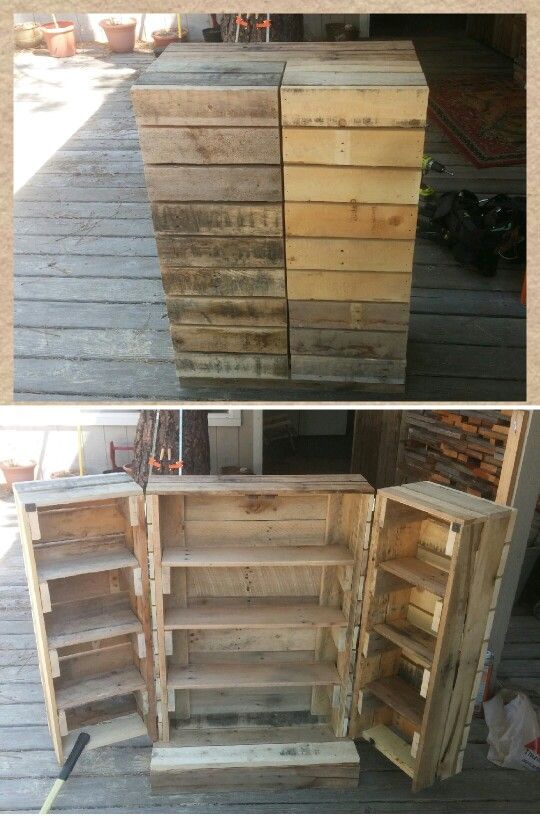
{"x":85,"y":554}
{"x":436,"y":560}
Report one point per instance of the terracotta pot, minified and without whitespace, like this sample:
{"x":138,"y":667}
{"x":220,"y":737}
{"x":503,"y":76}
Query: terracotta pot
{"x":28,"y":35}
{"x":60,"y":41}
{"x":121,"y":36}
{"x":18,"y":473}
{"x":161,"y":40}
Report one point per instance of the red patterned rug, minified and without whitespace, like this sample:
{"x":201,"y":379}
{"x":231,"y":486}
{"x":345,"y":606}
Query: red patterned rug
{"x":485,"y":116}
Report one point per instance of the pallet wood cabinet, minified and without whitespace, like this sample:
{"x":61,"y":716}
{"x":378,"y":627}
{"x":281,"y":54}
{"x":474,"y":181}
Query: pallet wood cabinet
{"x":284,"y":185}
{"x":436,"y":560}
{"x":85,"y":554}
{"x":257,"y":591}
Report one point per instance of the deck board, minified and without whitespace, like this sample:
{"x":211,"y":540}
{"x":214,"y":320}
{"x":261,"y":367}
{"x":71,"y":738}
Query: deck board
{"x":86,"y":263}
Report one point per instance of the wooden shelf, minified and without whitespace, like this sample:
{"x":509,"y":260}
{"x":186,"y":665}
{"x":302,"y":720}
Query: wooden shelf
{"x":417,"y":645}
{"x":399,"y":695}
{"x":108,"y":732}
{"x":91,"y":690}
{"x":257,"y":556}
{"x":247,"y":675}
{"x":260,"y":616}
{"x":66,"y":566}
{"x":418,"y":573}
{"x":394,"y":747}
{"x":65,"y":629}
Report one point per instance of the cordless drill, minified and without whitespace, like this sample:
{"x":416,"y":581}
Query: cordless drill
{"x":429,"y":164}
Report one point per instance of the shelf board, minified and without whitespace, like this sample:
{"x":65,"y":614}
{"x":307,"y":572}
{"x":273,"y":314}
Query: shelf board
{"x":247,"y":675}
{"x":418,"y":573}
{"x":418,"y":645}
{"x":108,"y":732}
{"x":394,"y":747}
{"x":259,"y":616}
{"x":257,"y":556}
{"x":91,"y":690}
{"x":65,"y":629}
{"x":400,"y":696}
{"x":66,"y":566}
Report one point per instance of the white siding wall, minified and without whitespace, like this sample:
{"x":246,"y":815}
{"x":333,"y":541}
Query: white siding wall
{"x":87,"y":26}
{"x":55,"y":447}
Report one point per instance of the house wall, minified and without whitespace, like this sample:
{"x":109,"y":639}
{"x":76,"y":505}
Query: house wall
{"x":87,"y":28}
{"x":54,"y":447}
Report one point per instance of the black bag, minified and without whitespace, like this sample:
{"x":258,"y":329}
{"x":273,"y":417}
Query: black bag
{"x":476,"y":231}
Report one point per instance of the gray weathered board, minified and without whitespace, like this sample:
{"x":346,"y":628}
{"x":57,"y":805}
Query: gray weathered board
{"x":284,"y":187}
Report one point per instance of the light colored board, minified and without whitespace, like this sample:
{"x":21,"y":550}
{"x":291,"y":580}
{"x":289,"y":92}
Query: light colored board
{"x":296,"y":77}
{"x":349,"y":220}
{"x":263,"y":485}
{"x":217,"y":145}
{"x":254,"y":617}
{"x":217,"y":183}
{"x":358,"y":107}
{"x":257,"y":507}
{"x":400,"y":696}
{"x":393,"y":287}
{"x":365,"y":185}
{"x":50,"y":569}
{"x":215,"y":251}
{"x":257,"y":556}
{"x":227,"y":311}
{"x":392,"y":746}
{"x":252,"y":676}
{"x":242,"y":340}
{"x":415,"y":643}
{"x":292,"y":533}
{"x":325,"y":342}
{"x":362,"y":147}
{"x":122,"y":728}
{"x":352,"y":254}
{"x":375,"y":317}
{"x":67,"y":630}
{"x":248,"y":107}
{"x":219,"y":62}
{"x":218,"y":219}
{"x":91,"y":690}
{"x":418,"y":573}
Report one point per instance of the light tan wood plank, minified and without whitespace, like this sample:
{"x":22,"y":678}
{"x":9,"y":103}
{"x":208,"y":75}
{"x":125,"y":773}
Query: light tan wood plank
{"x":350,"y":220}
{"x":354,"y":255}
{"x":248,"y":107}
{"x":364,"y":185}
{"x":364,"y":147}
{"x":349,"y":286}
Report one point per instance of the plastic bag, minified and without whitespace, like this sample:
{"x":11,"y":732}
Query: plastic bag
{"x":514,"y":731}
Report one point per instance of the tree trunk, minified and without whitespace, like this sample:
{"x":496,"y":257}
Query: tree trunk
{"x":283,"y":28}
{"x":195,"y":443}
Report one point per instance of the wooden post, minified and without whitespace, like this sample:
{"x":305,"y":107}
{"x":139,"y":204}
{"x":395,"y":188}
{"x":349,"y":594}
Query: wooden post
{"x":523,"y":496}
{"x":375,"y":446}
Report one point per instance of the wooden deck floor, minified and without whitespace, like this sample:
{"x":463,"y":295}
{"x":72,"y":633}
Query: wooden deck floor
{"x":115,"y":779}
{"x":90,"y":319}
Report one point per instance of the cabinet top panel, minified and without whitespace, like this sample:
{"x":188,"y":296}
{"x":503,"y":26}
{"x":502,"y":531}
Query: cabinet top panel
{"x":239,"y":485}
{"x":76,"y":489}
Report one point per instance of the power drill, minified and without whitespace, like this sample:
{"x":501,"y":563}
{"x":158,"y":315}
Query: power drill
{"x":428,"y":164}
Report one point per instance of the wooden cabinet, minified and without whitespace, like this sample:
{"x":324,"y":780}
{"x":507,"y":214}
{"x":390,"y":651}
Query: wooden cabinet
{"x":436,"y":560}
{"x":85,"y":553}
{"x":258,"y":582}
{"x":284,"y":184}
{"x":274,"y":618}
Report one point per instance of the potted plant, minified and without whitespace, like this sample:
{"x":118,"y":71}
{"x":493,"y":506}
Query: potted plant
{"x":212,"y":34}
{"x":18,"y":470}
{"x":120,"y":35}
{"x":163,"y":37}
{"x":59,"y":37}
{"x":28,"y":35}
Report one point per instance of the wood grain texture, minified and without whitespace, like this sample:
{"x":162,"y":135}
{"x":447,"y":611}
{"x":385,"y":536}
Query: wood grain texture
{"x":216,"y":251}
{"x":218,"y":219}
{"x":365,"y":185}
{"x":351,"y":254}
{"x":241,"y":340}
{"x":220,"y":282}
{"x":210,"y":145}
{"x":216,"y":183}
{"x":358,"y":107}
{"x":312,"y":314}
{"x":342,"y":369}
{"x":349,"y":220}
{"x":335,"y":342}
{"x":248,"y":107}
{"x":217,"y":311}
{"x":348,"y":286}
{"x":231,"y":365}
